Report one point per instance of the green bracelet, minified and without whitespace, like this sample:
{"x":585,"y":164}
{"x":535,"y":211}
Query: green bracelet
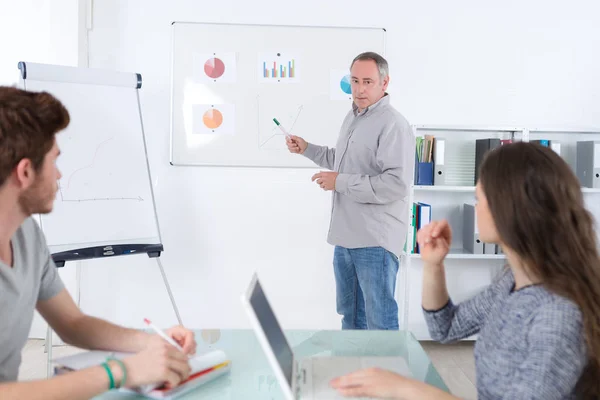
{"x":123,"y":370}
{"x":110,"y":376}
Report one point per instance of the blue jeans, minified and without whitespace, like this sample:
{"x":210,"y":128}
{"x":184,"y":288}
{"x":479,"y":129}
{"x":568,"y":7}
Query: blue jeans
{"x":365,"y":281}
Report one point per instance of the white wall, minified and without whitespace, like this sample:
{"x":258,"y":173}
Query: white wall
{"x":460,"y":62}
{"x":44,"y":31}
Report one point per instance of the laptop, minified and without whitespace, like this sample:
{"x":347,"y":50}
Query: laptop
{"x":308,"y":378}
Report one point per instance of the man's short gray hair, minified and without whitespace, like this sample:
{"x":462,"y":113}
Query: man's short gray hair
{"x":382,"y":64}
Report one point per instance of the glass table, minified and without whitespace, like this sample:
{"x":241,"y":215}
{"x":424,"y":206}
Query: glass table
{"x":251,"y":376}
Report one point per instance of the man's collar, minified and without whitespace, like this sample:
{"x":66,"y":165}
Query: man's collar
{"x":383,"y":101}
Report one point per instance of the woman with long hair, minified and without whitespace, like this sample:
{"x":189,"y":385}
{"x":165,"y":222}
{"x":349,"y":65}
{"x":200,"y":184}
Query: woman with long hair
{"x":539,"y":322}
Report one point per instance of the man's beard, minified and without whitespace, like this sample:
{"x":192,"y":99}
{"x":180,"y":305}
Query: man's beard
{"x":36,"y":200}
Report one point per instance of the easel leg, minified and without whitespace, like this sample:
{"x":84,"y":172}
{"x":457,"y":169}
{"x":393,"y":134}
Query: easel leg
{"x":48,"y":346}
{"x":166,"y":282}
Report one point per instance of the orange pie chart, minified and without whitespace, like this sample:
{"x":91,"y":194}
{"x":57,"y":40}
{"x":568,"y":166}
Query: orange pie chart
{"x":212,"y":118}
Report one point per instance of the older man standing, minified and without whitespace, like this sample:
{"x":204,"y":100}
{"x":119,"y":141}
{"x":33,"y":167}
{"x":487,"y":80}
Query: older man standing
{"x":371,"y":168}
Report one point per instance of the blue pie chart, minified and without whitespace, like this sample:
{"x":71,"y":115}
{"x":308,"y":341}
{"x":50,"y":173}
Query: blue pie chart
{"x":345,"y":85}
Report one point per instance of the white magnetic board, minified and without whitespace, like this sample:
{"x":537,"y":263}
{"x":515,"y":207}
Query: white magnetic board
{"x":229,"y":81}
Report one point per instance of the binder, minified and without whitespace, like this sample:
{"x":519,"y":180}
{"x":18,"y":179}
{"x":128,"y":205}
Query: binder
{"x":543,"y":142}
{"x":414,"y":228}
{"x":489,"y":248}
{"x":471,"y":241}
{"x":423,"y":218}
{"x":416,"y":169}
{"x":553,"y":144}
{"x":424,"y":214}
{"x":439,"y":177}
{"x":482,"y":146}
{"x":417,"y":223}
{"x":588,"y":163}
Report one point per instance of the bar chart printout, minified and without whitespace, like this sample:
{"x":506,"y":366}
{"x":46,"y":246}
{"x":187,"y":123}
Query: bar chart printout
{"x":278,"y":67}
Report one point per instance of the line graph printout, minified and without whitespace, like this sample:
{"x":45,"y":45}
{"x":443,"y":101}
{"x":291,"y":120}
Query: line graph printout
{"x":104,"y":194}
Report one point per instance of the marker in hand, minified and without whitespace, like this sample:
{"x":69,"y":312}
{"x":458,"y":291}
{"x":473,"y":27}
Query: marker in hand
{"x":286,"y":133}
{"x":163,"y":334}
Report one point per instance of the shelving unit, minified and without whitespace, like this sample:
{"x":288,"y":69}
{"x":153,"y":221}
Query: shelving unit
{"x":472,"y":189}
{"x":460,"y":254}
{"x":468,"y":273}
{"x":444,"y":188}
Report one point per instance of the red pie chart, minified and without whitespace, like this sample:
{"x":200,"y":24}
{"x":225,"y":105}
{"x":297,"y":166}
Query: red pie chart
{"x":212,"y":118}
{"x":214,"y":68}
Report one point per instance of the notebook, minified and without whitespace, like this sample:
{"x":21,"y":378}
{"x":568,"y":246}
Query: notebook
{"x":205,"y":368}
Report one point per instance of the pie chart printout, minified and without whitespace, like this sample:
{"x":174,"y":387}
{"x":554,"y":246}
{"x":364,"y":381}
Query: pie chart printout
{"x":213,"y":118}
{"x":214,"y":68}
{"x":345,"y":85}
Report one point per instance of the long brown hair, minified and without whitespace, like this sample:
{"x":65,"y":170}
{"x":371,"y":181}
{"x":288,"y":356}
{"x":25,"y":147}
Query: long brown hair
{"x":538,"y":208}
{"x":28,"y":123}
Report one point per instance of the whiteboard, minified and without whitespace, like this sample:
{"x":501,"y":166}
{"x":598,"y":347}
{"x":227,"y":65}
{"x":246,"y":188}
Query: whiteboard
{"x":105,"y":195}
{"x":229,"y":81}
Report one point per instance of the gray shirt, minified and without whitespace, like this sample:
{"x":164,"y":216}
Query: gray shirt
{"x":530,"y":344}
{"x":32,"y":278}
{"x":374,"y":156}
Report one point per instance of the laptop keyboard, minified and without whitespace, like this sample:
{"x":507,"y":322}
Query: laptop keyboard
{"x":325,"y":369}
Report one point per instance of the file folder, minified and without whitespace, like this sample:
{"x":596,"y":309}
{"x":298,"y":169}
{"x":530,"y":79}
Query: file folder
{"x":588,"y":163}
{"x":425,"y":173}
{"x":439,"y":178}
{"x":471,"y":241}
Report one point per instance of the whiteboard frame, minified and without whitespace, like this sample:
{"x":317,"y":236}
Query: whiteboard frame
{"x":172,"y":79}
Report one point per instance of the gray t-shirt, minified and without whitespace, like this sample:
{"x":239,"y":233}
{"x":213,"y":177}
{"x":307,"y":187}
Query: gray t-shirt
{"x":32,"y":278}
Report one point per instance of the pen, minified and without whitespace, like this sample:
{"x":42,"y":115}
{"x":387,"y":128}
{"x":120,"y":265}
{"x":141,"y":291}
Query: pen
{"x":281,"y":127}
{"x":163,"y":335}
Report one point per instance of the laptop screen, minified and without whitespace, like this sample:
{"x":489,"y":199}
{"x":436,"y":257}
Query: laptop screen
{"x":273,"y":331}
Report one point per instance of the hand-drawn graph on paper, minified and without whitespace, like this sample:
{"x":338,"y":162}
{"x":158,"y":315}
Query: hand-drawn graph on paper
{"x":270,"y":137}
{"x":77,"y":184}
